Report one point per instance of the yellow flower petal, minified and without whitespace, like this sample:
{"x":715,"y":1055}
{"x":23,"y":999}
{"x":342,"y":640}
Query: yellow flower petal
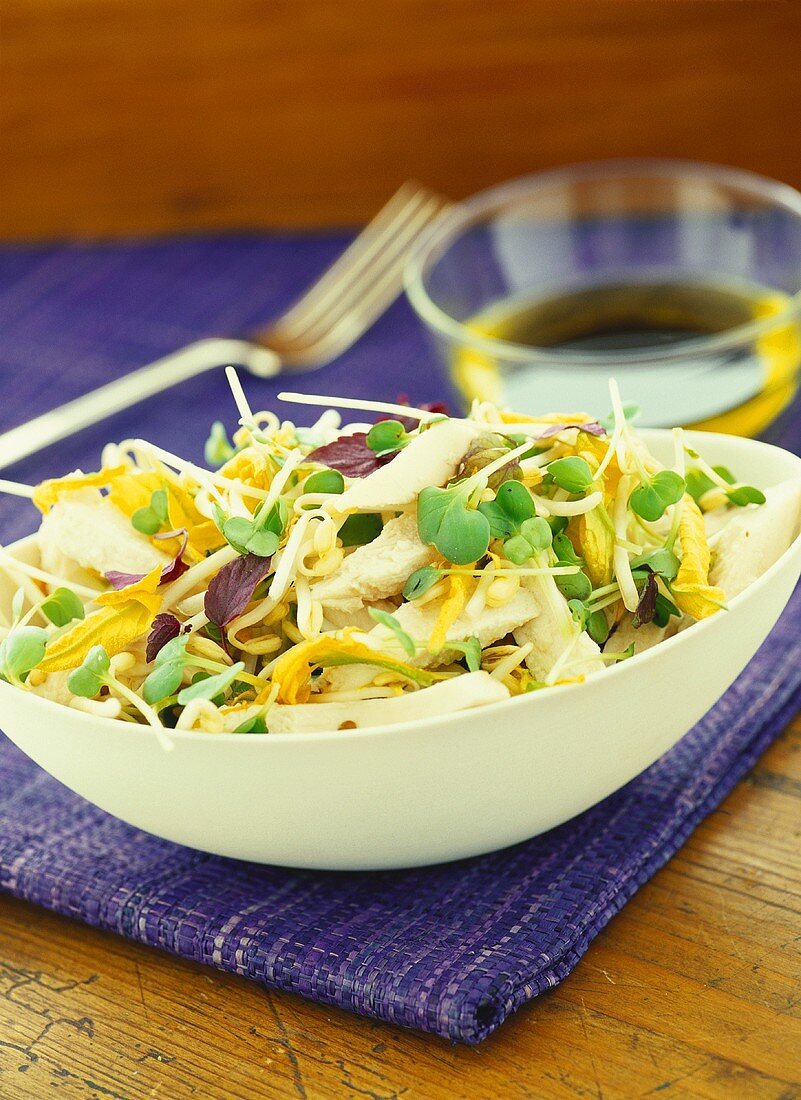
{"x":134,"y":490}
{"x":48,"y":492}
{"x":144,"y":592}
{"x":546,"y":418}
{"x":112,"y":627}
{"x":691,"y":589}
{"x":293,"y":669}
{"x":597,"y":545}
{"x":451,"y":609}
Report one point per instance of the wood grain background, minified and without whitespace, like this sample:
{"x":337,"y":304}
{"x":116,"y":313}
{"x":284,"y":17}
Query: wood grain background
{"x":130,"y":116}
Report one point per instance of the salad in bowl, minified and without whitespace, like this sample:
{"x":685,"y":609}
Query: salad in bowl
{"x":409,"y":565}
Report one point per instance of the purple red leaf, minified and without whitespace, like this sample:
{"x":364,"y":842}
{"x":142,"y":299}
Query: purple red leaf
{"x":408,"y":422}
{"x":350,"y":455}
{"x":646,"y":608}
{"x":592,"y":427}
{"x":164,"y":629}
{"x":169,"y":573}
{"x":231,"y":590}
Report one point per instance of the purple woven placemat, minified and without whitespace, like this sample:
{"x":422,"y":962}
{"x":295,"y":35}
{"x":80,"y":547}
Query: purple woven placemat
{"x":451,"y":949}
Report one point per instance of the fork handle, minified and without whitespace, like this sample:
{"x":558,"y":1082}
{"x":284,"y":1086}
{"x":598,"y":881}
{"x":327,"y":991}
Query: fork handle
{"x":129,"y":390}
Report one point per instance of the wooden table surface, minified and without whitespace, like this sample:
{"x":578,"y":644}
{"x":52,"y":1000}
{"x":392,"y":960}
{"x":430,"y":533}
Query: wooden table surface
{"x":693,"y":991}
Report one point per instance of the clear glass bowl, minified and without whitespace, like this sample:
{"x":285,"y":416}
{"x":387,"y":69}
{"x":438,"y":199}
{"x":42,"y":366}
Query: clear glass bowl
{"x":621,"y":224}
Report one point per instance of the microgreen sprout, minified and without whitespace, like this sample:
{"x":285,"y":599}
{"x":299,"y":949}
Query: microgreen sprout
{"x":386,"y":437}
{"x":324,"y":481}
{"x":360,"y":528}
{"x":20,"y":651}
{"x":651,"y":499}
{"x":95,"y":673}
{"x":62,"y":606}
{"x":391,"y":622}
{"x":703,"y":479}
{"x":170,"y":665}
{"x":218,"y":448}
{"x":448,"y":520}
{"x":256,"y":724}
{"x":575,"y":586}
{"x":470,"y":650}
{"x":420,"y":582}
{"x":260,"y":535}
{"x":150,"y":519}
{"x":512,"y":517}
{"x":209,"y":687}
{"x":572,"y":474}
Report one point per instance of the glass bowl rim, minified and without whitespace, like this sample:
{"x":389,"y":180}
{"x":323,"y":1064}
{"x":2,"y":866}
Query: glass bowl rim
{"x":450,"y":225}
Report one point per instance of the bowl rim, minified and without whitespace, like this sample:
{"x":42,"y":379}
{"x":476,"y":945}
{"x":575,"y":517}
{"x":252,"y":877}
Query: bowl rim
{"x":439,"y":236}
{"x":432,"y":724}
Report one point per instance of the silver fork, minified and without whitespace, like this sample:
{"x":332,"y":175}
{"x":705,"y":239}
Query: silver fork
{"x":331,"y":316}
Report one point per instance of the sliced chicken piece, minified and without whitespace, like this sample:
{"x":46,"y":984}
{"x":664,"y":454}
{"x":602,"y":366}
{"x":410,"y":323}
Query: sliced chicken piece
{"x":430,"y":459}
{"x":473,"y":689}
{"x":419,"y":623}
{"x":378,"y":569}
{"x":355,"y":615}
{"x":552,"y":631}
{"x":755,"y":537}
{"x":88,"y":530}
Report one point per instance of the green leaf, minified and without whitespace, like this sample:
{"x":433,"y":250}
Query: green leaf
{"x":174,"y":650}
{"x":571,"y":474}
{"x":146,"y":521}
{"x":574,"y":586}
{"x":665,"y":608}
{"x":651,"y":499}
{"x":218,"y":448}
{"x":88,"y":679}
{"x":471,"y":650}
{"x":579,"y":612}
{"x":62,"y":606}
{"x":663,"y":562}
{"x":745,"y":494}
{"x":518,"y":550}
{"x":262,"y":543}
{"x":444,"y":520}
{"x":237,"y":532}
{"x":563,"y":548}
{"x":598,"y":627}
{"x":537,"y":533}
{"x":21,"y":650}
{"x":630,"y":414}
{"x":325,"y":481}
{"x":516,"y":501}
{"x":386,"y":437}
{"x":392,"y":624}
{"x":252,"y":725}
{"x":698,"y":483}
{"x":159,"y":504}
{"x":361,"y":528}
{"x":557,"y":524}
{"x":211,"y":686}
{"x":501,"y":524}
{"x":420,"y":581}
{"x":163,"y":681}
{"x":275,"y":519}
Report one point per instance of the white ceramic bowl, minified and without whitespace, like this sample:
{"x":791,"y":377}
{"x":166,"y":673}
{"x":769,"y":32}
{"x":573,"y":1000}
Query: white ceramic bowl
{"x":422,"y":792}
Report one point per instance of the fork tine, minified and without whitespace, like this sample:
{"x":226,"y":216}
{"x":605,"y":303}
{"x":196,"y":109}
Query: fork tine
{"x":358,"y":251}
{"x":353,"y":322}
{"x":354,"y":289}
